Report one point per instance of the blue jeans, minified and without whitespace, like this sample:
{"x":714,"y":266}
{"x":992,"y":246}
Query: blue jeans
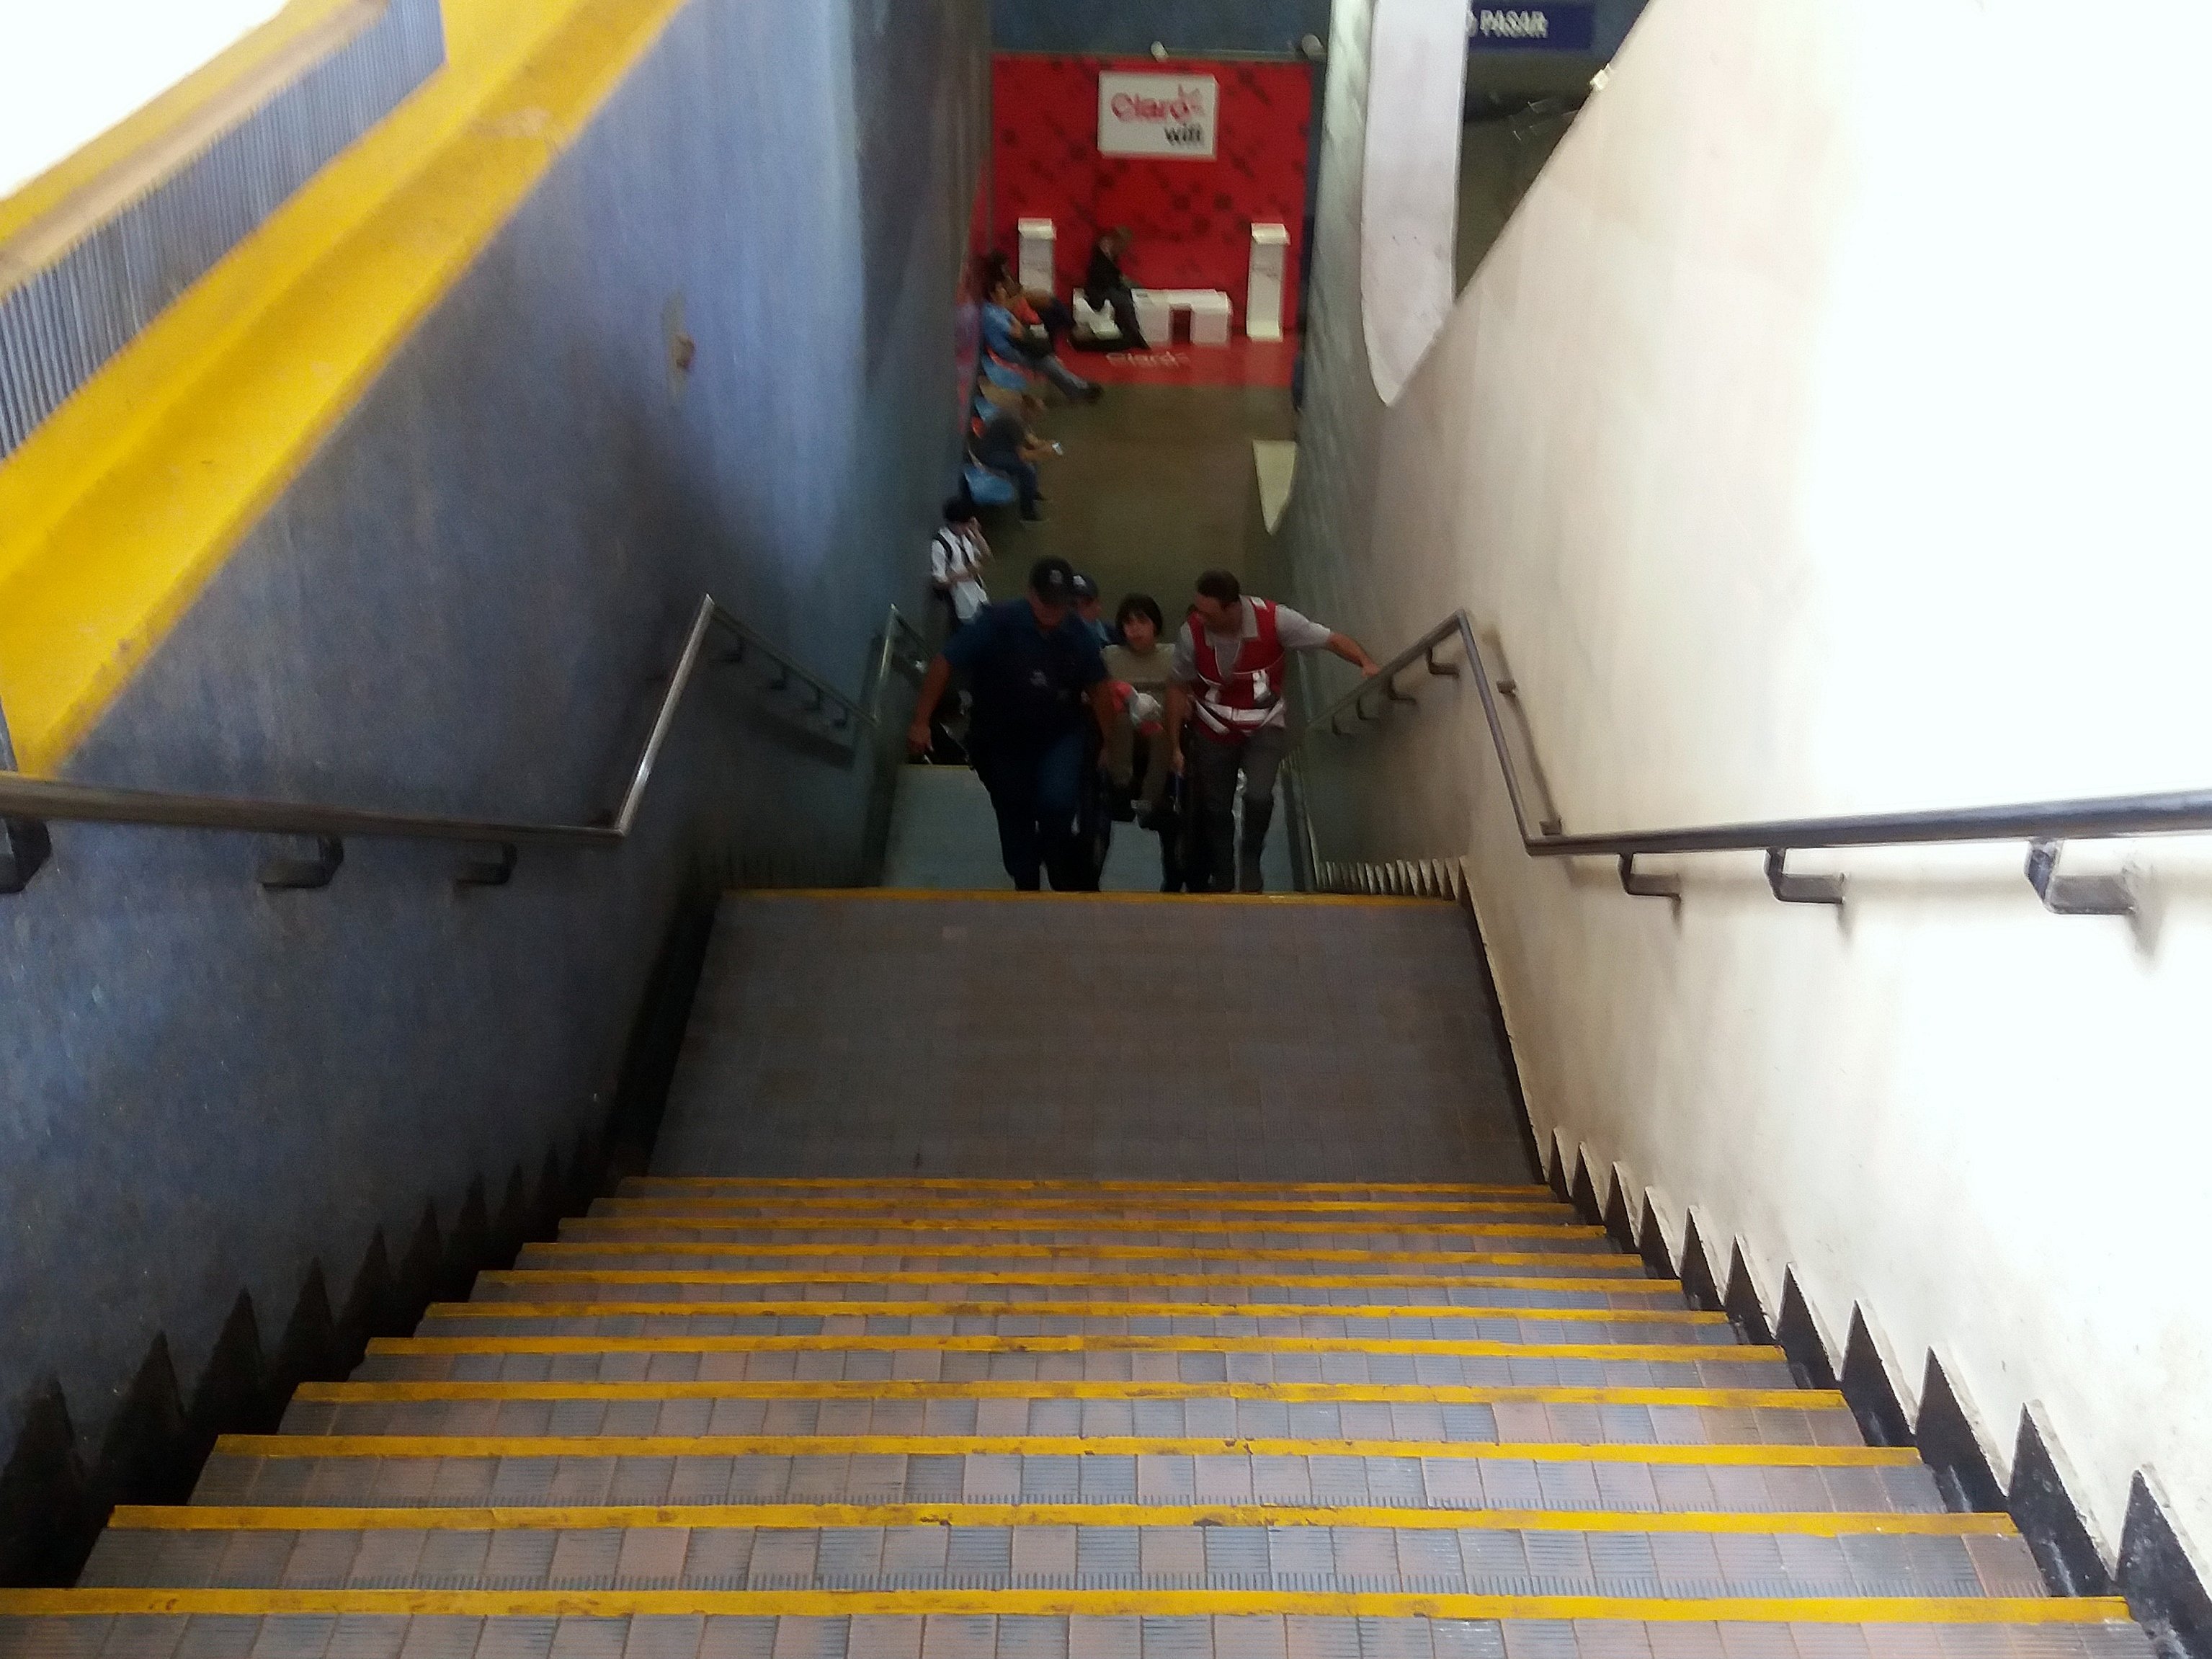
{"x":1037,"y":795}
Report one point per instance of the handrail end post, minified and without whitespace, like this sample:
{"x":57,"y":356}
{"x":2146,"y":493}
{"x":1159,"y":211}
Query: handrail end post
{"x":25,"y":844}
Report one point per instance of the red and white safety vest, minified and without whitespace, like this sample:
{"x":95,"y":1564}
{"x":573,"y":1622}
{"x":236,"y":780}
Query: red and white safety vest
{"x":1238,"y":703}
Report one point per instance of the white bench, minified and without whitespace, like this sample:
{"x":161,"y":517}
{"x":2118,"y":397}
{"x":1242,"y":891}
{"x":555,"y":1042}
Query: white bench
{"x":1208,"y":308}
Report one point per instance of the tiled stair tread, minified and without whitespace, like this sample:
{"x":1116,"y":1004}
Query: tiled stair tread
{"x":677,"y":1364}
{"x":1509,"y":1295}
{"x":1026,"y":1637}
{"x":1488,"y":1561}
{"x":1534,"y":1326}
{"x":1067,"y":1423}
{"x":1686,"y":1426}
{"x":519,"y":1482}
{"x":926,"y":1254}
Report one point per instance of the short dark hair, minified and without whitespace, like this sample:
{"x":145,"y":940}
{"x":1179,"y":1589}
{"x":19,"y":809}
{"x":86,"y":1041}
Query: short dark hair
{"x":959,"y":509}
{"x":1141,"y":604}
{"x":1221,"y":587}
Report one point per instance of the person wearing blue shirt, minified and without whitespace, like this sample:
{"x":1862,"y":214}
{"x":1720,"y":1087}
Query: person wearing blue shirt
{"x":1031,"y":669}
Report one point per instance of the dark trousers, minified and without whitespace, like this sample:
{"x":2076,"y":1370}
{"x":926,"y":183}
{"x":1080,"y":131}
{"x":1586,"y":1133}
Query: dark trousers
{"x":1023,"y":473}
{"x":1123,"y":304}
{"x":1211,"y":766}
{"x":1038,"y":794}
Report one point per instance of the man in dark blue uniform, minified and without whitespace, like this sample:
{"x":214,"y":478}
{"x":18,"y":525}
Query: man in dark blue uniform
{"x":1031,"y":666}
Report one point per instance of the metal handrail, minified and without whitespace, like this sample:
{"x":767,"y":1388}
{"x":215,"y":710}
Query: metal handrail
{"x":2046,"y":825}
{"x":28,"y":804}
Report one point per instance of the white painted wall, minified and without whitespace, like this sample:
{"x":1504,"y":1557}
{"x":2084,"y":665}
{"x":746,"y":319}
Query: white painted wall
{"x":1410,"y":166}
{"x":1827,"y":433}
{"x":75,"y":68}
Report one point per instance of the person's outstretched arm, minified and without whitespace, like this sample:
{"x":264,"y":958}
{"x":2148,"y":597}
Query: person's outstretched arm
{"x":925,"y":706}
{"x":1103,"y":711}
{"x":1355,"y":653}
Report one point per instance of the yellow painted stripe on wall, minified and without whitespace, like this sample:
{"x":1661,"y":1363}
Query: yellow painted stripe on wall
{"x":125,"y":504}
{"x":1054,"y":1310}
{"x":1717,"y":1353}
{"x":1045,"y":1279}
{"x":988,"y":1184}
{"x":909,"y":1387}
{"x":1047,"y":1445}
{"x":838,"y":1604}
{"x":808,"y":1517}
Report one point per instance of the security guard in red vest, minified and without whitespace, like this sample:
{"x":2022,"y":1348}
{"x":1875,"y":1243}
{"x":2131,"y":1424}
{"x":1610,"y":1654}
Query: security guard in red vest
{"x":1227,"y":682}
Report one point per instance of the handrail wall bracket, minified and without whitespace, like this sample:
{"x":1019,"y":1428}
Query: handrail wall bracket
{"x":1638,"y":886}
{"x":2076,"y":895}
{"x":1799,"y":890}
{"x":306,"y":875}
{"x":25,"y":847}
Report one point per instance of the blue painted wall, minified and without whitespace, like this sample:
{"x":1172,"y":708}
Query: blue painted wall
{"x":465,"y":605}
{"x":1188,"y":27}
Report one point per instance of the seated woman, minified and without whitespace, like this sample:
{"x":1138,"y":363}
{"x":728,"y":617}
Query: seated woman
{"x":1137,"y":760}
{"x":1107,"y":287}
{"x":1016,"y":347}
{"x":1000,"y":441}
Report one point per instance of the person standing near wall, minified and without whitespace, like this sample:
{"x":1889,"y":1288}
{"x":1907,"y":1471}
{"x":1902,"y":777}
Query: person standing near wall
{"x":1231,"y":662}
{"x":957,"y":554}
{"x":1031,"y":667}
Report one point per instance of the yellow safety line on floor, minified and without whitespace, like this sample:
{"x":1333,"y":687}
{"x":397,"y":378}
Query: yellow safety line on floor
{"x":839,"y":1604}
{"x":1054,"y":1310}
{"x":1044,"y":1279}
{"x":790,"y":1517}
{"x":1723,"y":1353}
{"x":1049,"y":1445}
{"x":999,"y":1387}
{"x":633,"y":1218}
{"x":1098,"y":1252}
{"x":994,"y":1184}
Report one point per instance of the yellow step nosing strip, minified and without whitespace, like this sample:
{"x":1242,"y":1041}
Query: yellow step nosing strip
{"x":126,"y":503}
{"x":1058,"y":1310}
{"x":1049,"y":1279}
{"x":994,"y":1388}
{"x":1685,"y":1352}
{"x":190,"y":1517}
{"x":1012,"y":1205}
{"x":1094,"y":1253}
{"x":839,"y":1604}
{"x":722,"y":1213}
{"x":994,"y":1184}
{"x":631,"y":1221}
{"x":414,"y":1446}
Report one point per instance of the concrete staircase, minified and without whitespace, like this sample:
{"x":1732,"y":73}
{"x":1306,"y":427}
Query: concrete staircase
{"x":878,"y":1415}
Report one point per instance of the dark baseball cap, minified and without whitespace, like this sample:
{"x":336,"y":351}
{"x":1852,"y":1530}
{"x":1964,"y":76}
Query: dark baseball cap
{"x":1054,"y":581}
{"x":1084,"y":587}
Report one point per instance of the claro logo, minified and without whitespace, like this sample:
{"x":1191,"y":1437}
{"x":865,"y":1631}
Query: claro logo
{"x":1513,"y":25}
{"x":1185,"y":108}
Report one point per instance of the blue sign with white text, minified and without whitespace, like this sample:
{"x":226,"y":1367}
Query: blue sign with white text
{"x":1533,"y":29}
